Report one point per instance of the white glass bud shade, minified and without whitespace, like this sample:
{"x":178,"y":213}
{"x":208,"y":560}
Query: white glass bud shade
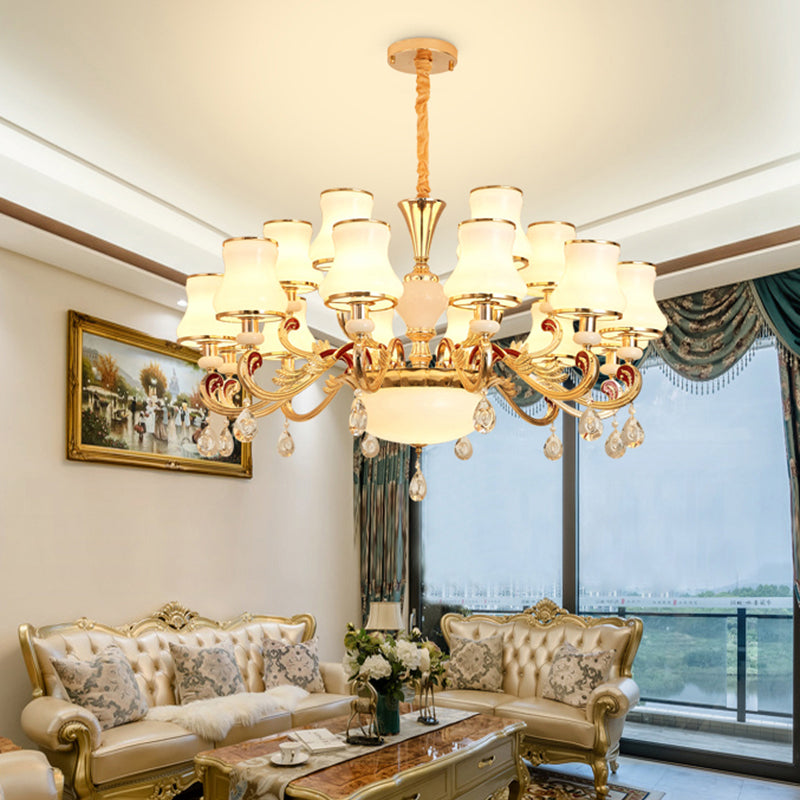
{"x":502,"y":202}
{"x":485,"y":271}
{"x":590,"y":287}
{"x":641,"y":316}
{"x":458,"y":320}
{"x":384,"y":330}
{"x":361,"y":272}
{"x":199,"y":322}
{"x":293,"y":267}
{"x":546,"y":266}
{"x":337,"y":205}
{"x":249,"y":288}
{"x":302,"y":338}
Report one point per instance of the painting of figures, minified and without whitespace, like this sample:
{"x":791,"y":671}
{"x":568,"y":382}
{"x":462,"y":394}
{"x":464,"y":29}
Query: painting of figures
{"x":134,"y":399}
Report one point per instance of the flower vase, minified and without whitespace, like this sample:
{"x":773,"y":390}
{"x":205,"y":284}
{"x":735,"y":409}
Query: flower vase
{"x":427,"y":706}
{"x":388,"y":715}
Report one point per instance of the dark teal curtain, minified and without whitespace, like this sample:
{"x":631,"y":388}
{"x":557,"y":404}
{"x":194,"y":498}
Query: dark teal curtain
{"x":380,"y":510}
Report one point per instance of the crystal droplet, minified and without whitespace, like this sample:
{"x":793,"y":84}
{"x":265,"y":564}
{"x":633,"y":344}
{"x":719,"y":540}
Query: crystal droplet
{"x":207,"y":443}
{"x":632,"y":431}
{"x":553,"y":449}
{"x":358,"y":415}
{"x":590,"y":426}
{"x":370,"y":446}
{"x":246,"y":426}
{"x":615,"y":446}
{"x":225,"y":442}
{"x":484,"y":416}
{"x":285,"y":442}
{"x":463,"y":448}
{"x":417,"y":488}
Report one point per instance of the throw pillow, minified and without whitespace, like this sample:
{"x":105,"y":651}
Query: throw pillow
{"x":104,"y":685}
{"x":573,"y":674}
{"x":292,"y":664}
{"x":205,"y":672}
{"x":476,"y":664}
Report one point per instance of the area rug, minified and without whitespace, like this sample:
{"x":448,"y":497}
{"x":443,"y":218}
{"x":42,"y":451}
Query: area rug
{"x":547,"y":785}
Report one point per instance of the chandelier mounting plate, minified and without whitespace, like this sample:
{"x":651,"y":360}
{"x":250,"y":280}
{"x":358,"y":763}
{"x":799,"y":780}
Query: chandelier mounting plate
{"x":401,"y":54}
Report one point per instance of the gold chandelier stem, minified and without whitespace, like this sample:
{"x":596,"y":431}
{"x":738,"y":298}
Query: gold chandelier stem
{"x":423,"y":63}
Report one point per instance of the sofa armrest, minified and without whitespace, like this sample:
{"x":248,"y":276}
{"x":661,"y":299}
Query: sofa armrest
{"x":56,"y":724}
{"x":613,"y":698}
{"x":334,"y":677}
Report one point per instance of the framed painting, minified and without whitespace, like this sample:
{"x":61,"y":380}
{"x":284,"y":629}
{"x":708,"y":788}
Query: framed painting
{"x":133,"y":399}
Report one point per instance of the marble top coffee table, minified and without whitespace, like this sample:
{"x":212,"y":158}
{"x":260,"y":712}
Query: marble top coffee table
{"x":470,"y":760}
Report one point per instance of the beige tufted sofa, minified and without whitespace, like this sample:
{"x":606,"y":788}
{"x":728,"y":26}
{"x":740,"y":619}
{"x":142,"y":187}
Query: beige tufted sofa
{"x":556,"y":732}
{"x":146,"y":758}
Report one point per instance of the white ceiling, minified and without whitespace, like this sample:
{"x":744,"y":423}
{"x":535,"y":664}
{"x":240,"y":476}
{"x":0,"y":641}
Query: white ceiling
{"x":672,"y":126}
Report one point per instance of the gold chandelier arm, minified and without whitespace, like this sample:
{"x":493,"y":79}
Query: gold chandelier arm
{"x":585,"y":361}
{"x":368,"y":378}
{"x":295,"y":383}
{"x":630,"y":378}
{"x":549,"y":416}
{"x":285,"y":327}
{"x":332,"y":388}
{"x":214,"y":386}
{"x":423,"y":63}
{"x":556,"y":331}
{"x":472,"y":378}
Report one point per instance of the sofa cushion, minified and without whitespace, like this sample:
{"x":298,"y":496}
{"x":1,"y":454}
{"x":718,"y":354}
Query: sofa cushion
{"x":550,"y":720}
{"x":471,"y":699}
{"x":322,"y":705}
{"x":104,"y":685}
{"x":292,"y":664}
{"x":143,"y":746}
{"x":573,"y":674}
{"x":476,"y":664}
{"x":205,"y":672}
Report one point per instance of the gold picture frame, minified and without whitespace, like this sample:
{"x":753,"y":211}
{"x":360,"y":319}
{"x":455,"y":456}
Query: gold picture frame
{"x":132,"y":399}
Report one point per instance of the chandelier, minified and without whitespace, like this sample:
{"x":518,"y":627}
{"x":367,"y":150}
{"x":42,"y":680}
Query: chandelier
{"x":592,"y":317}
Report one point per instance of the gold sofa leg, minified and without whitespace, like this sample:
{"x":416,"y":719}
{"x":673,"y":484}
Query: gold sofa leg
{"x":600,"y":770}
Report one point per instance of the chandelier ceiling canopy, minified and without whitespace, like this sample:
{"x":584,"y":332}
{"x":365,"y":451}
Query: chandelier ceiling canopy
{"x":591,"y":316}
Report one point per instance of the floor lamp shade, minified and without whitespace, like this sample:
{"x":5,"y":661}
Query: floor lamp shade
{"x":384,"y":616}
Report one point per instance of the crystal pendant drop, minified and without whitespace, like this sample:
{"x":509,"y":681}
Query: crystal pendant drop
{"x":285,"y":442}
{"x":246,"y":426}
{"x":590,"y":426}
{"x":207,"y":443}
{"x":553,"y":449}
{"x":225,"y":442}
{"x":632,"y":431}
{"x":370,"y":446}
{"x":484,"y":416}
{"x":417,"y":488}
{"x":615,"y":445}
{"x":463,"y":448}
{"x":358,"y":415}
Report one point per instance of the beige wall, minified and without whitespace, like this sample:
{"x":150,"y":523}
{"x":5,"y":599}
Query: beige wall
{"x":113,"y":543}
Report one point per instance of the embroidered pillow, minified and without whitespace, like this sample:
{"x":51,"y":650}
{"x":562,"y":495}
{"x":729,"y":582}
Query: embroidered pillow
{"x":205,"y":672}
{"x":104,"y":685}
{"x":476,"y":664}
{"x":573,"y":674}
{"x":292,"y":664}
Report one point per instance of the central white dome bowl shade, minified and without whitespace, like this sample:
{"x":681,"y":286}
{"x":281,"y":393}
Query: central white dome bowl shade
{"x":420,"y":414}
{"x":336,"y":205}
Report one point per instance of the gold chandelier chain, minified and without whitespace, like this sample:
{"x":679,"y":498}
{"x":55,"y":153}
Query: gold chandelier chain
{"x":423,"y":62}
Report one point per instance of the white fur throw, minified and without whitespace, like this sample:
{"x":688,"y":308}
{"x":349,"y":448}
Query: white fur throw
{"x":213,"y":719}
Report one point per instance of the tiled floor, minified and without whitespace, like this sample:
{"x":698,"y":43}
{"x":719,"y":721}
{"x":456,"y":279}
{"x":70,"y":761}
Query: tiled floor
{"x":689,"y":783}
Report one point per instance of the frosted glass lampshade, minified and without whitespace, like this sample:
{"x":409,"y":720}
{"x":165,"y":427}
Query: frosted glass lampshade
{"x":458,"y":320}
{"x":361,"y":272}
{"x":641,"y":316}
{"x":384,"y":331}
{"x":384,"y":616}
{"x":199,"y":322}
{"x":502,"y":202}
{"x":293,"y":267}
{"x":546,"y":265}
{"x":249,"y":288}
{"x":302,"y":338}
{"x":420,"y":414}
{"x":590,"y":287}
{"x":485,"y":271}
{"x":337,"y":205}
